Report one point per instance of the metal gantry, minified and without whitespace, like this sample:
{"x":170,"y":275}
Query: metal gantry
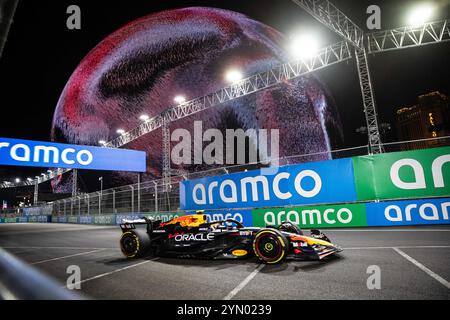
{"x":370,"y":112}
{"x":327,"y":56}
{"x":409,"y":36}
{"x":330,"y":16}
{"x":326,"y":13}
{"x":74,"y":182}
{"x":166,"y":153}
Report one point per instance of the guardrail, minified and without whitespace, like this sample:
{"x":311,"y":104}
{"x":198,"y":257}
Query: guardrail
{"x":19,"y":281}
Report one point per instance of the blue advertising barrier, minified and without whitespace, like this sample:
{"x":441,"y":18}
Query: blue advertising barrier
{"x":28,"y":153}
{"x":86,"y":219}
{"x":408,"y":212}
{"x":309,"y":183}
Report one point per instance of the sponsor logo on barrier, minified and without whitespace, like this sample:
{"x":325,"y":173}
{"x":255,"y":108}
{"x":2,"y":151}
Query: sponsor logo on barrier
{"x":408,"y":212}
{"x":325,"y":181}
{"x":45,"y":154}
{"x":86,"y":219}
{"x":320,"y":216}
{"x":410,"y":174}
{"x":163,"y":216}
{"x":72,"y":219}
{"x":104,"y":219}
{"x":242,"y":216}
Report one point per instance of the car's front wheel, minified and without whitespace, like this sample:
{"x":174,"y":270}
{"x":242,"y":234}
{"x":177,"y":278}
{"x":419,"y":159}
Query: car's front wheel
{"x":270,"y":245}
{"x":134,"y":243}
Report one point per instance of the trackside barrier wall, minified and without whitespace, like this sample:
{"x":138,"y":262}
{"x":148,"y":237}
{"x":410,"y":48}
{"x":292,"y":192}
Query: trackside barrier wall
{"x":37,"y":219}
{"x":351,"y":192}
{"x":397,"y":175}
{"x":369,"y":214}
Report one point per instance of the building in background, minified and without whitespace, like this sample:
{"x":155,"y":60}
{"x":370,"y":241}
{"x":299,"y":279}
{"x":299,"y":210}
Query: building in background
{"x":429,"y":118}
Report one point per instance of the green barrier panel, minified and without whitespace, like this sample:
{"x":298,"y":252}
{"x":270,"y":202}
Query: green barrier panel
{"x":2,"y":220}
{"x":409,"y":174}
{"x":105,"y":219}
{"x":348,"y":215}
{"x":10,"y":220}
{"x":72,"y":219}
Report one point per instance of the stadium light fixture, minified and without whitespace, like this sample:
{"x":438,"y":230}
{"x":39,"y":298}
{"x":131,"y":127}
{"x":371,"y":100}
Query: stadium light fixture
{"x":144,"y":117}
{"x":233,"y":76}
{"x":304,"y":46}
{"x":17,"y":180}
{"x":179,"y":99}
{"x":120,"y":131}
{"x":420,"y":14}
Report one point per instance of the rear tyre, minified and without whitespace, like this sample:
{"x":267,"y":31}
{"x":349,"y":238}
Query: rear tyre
{"x":270,"y":245}
{"x":134,"y":243}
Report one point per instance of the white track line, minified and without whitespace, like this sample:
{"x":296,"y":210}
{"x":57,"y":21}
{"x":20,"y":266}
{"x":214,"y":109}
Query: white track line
{"x":64,"y":257}
{"x":243,"y":283}
{"x":402,"y":247}
{"x":114,"y":271}
{"x":385,"y":230}
{"x":350,"y":248}
{"x":20,"y":232}
{"x":423,"y":268}
{"x":69,"y":248}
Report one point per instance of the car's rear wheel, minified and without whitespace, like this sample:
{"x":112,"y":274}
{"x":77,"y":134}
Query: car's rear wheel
{"x":134,"y":243}
{"x":270,"y":245}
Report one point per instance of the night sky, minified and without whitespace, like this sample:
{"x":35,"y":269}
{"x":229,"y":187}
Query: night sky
{"x":41,"y":53}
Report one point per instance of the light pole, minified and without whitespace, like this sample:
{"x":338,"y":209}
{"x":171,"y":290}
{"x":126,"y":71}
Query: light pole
{"x":100,"y":195}
{"x":101,"y":184}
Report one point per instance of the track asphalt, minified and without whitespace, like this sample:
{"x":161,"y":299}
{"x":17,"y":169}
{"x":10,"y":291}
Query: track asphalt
{"x":413,"y":264}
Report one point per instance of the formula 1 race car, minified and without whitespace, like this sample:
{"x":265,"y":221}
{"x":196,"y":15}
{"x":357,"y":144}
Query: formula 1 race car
{"x":192,"y":236}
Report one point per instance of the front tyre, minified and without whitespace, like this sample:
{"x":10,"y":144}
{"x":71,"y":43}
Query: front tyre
{"x":134,"y":243}
{"x":270,"y":246}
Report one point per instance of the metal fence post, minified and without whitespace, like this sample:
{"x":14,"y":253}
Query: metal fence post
{"x":139,"y":193}
{"x":99,"y":203}
{"x":88,"y":204}
{"x":114,"y":201}
{"x":132,"y":199}
{"x":156,"y":196}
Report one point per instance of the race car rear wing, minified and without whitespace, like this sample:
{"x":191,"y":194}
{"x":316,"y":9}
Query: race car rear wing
{"x":131,"y":224}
